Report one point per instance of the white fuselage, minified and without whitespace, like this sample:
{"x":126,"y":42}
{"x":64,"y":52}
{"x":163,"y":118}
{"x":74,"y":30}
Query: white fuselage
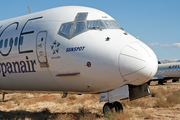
{"x":48,"y":58}
{"x":168,"y":70}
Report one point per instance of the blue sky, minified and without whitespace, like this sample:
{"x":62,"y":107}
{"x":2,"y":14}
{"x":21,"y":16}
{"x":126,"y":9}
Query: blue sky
{"x":155,"y":22}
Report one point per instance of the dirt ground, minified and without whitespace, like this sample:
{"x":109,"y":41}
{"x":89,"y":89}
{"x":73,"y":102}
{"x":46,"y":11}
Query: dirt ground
{"x":87,"y":107}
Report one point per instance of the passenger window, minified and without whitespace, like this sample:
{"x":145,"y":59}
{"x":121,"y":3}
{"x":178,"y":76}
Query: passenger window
{"x":11,"y":42}
{"x":80,"y":27}
{"x":1,"y":43}
{"x":178,"y":68}
{"x":16,"y":41}
{"x":97,"y":24}
{"x":81,"y":16}
{"x":5,"y":43}
{"x":66,"y":29}
{"x":159,"y":70}
{"x":170,"y":69}
{"x":163,"y":70}
{"x":21,"y":40}
{"x":167,"y":69}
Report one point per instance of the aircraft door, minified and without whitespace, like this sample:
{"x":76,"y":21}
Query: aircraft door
{"x":41,"y":48}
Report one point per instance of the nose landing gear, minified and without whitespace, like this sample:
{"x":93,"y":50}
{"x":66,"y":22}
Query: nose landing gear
{"x":112,"y":107}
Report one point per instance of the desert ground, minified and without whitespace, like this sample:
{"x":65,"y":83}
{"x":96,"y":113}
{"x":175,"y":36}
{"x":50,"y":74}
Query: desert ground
{"x":162,"y":104}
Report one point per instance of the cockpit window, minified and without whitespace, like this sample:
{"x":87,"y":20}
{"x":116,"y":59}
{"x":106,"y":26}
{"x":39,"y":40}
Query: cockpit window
{"x":81,"y":16}
{"x":66,"y":29}
{"x":81,"y":24}
{"x":112,"y":24}
{"x":96,"y":24}
{"x":80,"y":27}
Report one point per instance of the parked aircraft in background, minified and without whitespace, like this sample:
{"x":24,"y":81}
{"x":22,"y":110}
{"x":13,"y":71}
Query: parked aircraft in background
{"x":166,"y":72}
{"x":77,"y":50}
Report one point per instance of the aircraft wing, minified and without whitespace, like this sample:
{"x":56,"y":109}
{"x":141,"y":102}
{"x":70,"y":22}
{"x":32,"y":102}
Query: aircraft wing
{"x":156,"y":78}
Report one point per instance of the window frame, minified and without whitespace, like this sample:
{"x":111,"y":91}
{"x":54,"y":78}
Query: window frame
{"x":60,"y":33}
{"x":85,"y":28}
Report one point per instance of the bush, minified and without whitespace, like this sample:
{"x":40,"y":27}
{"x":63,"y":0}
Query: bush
{"x":174,"y":98}
{"x":160,"y":92}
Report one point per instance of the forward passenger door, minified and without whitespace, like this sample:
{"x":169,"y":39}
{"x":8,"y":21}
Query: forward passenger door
{"x":41,"y":48}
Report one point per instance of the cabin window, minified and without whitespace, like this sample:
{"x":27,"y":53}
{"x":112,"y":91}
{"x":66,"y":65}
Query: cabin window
{"x":163,"y":70}
{"x":112,"y":24}
{"x":178,"y":68}
{"x":80,"y":27}
{"x":81,"y":16}
{"x":5,"y":43}
{"x":11,"y":42}
{"x":159,"y":70}
{"x":170,"y":69}
{"x":21,"y":40}
{"x":96,"y":24}
{"x":1,"y":43}
{"x":167,"y":69}
{"x":16,"y":41}
{"x":66,"y":29}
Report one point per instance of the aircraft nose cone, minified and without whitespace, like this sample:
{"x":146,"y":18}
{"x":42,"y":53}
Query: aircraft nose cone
{"x":137,"y":63}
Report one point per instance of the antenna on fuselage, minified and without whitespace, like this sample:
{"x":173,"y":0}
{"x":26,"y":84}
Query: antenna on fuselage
{"x":29,"y":10}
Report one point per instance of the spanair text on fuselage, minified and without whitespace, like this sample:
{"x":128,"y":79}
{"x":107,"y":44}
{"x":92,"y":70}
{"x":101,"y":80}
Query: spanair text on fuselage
{"x":71,"y":49}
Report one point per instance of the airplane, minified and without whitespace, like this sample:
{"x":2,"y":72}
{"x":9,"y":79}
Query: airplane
{"x":166,"y":72}
{"x":74,"y":49}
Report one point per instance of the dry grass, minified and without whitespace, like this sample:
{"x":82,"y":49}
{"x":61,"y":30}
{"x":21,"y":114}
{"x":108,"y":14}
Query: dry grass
{"x":8,"y":105}
{"x":86,"y":107}
{"x":160,"y":92}
{"x":174,"y":98}
{"x":165,"y":98}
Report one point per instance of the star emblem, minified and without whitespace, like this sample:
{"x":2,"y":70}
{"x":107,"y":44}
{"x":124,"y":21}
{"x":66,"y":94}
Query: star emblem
{"x":55,"y":47}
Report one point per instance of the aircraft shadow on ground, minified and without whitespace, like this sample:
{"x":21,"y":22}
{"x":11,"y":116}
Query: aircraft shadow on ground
{"x":43,"y":115}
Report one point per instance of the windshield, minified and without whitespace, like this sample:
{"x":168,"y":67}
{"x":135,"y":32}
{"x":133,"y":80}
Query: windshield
{"x":96,"y":24}
{"x":80,"y":27}
{"x":112,"y":24}
{"x":105,"y":24}
{"x":66,"y":29}
{"x":81,"y":24}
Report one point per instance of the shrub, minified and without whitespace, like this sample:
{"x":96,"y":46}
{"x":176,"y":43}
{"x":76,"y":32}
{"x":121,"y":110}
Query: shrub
{"x":162,"y":102}
{"x":160,"y":92}
{"x":174,"y":98}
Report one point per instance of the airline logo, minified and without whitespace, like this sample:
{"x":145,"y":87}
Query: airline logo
{"x":174,"y":66}
{"x":17,"y":67}
{"x":22,"y":37}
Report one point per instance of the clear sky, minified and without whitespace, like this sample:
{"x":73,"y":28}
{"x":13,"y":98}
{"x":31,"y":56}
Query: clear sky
{"x":155,"y":22}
